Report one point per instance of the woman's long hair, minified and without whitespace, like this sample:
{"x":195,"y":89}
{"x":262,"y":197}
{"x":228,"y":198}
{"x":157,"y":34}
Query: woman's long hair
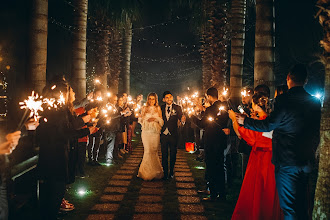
{"x":261,"y":100}
{"x":156,"y":98}
{"x":57,"y":87}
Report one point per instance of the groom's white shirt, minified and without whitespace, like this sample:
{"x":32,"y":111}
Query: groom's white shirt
{"x":168,"y":115}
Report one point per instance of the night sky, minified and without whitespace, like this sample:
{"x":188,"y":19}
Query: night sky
{"x":297,"y":41}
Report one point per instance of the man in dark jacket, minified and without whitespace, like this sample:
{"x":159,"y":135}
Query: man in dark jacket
{"x":296,"y":124}
{"x":214,"y":121}
{"x":172,"y":113}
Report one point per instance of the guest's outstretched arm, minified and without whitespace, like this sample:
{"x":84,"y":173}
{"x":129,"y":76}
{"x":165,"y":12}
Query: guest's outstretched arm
{"x":270,"y":123}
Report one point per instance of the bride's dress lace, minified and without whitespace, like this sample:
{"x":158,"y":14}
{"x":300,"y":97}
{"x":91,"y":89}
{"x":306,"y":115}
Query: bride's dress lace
{"x":151,"y":167}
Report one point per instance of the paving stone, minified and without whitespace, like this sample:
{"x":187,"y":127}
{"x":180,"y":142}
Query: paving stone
{"x":193,"y":217}
{"x":133,"y":161}
{"x":115,"y":190}
{"x":106,"y":207}
{"x":151,"y":191}
{"x":184,"y":179}
{"x":181,"y":166}
{"x":150,"y":199}
{"x":182,"y":170}
{"x":125,"y":171}
{"x":148,"y":207}
{"x":191,"y":208}
{"x":101,"y":217}
{"x":148,"y":217}
{"x":122,"y":177}
{"x":189,"y":199}
{"x":182,"y":174}
{"x":152,"y":184}
{"x":119,"y":183}
{"x":186,"y":192}
{"x":185,"y":185}
{"x":128,"y":167}
{"x":112,"y":198}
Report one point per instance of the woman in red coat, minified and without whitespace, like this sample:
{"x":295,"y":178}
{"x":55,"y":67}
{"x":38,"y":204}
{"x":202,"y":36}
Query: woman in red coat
{"x":258,"y":198}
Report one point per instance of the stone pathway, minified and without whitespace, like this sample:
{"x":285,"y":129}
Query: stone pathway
{"x":128,"y":197}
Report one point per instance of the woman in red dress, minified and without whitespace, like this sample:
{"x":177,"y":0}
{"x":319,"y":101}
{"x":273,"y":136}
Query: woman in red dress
{"x":258,"y":198}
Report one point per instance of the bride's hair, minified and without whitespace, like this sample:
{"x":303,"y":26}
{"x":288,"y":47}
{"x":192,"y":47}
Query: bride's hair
{"x":154,"y":95}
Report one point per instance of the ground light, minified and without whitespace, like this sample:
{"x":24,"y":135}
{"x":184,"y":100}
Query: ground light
{"x":199,"y":167}
{"x":106,"y":164}
{"x":83,"y":192}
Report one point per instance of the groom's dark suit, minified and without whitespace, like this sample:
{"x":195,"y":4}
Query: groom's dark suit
{"x":169,"y":136}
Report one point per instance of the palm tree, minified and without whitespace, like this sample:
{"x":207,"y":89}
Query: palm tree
{"x":38,"y":45}
{"x":214,"y":29}
{"x":79,"y":48}
{"x":115,"y":59}
{"x":238,"y":13}
{"x":220,"y":39}
{"x":322,"y":194}
{"x":264,"y":44}
{"x":127,"y":51}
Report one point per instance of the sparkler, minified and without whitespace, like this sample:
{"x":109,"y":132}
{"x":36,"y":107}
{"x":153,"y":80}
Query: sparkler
{"x":221,"y":108}
{"x":245,"y":93}
{"x":97,"y":81}
{"x":33,"y":104}
{"x":225,"y":91}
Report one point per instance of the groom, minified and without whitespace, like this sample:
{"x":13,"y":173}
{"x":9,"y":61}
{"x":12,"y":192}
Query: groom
{"x":169,"y":133}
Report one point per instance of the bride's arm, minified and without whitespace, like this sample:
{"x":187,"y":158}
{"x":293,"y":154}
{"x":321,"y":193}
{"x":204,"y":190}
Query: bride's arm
{"x":160,"y":117}
{"x":142,"y":116}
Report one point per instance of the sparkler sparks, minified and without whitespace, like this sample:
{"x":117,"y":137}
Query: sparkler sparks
{"x":34,"y":104}
{"x":225,"y":91}
{"x":245,"y":93}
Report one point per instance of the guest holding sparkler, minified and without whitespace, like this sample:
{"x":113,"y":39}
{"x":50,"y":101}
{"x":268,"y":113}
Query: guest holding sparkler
{"x":94,"y":140}
{"x":245,"y":107}
{"x":214,"y":120}
{"x":296,"y":124}
{"x":111,"y":128}
{"x":121,"y":136}
{"x":6,"y":148}
{"x":259,"y":179}
{"x":55,"y":131}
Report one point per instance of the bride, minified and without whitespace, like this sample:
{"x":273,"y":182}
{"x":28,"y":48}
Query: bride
{"x":151,"y":121}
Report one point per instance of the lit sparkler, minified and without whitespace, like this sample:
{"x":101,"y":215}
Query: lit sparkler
{"x":245,"y":93}
{"x":33,"y":104}
{"x":97,"y":81}
{"x":225,"y":91}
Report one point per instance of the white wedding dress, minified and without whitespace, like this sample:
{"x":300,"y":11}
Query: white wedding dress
{"x":151,"y":167}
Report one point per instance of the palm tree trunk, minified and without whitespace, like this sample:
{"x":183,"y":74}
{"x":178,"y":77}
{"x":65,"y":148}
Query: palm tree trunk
{"x":102,"y":67}
{"x":115,"y":60}
{"x":238,"y":13}
{"x":322,"y":193}
{"x":79,"y":49}
{"x":38,"y":45}
{"x":214,"y":44}
{"x":219,"y":44}
{"x":127,"y":50}
{"x":264,"y":44}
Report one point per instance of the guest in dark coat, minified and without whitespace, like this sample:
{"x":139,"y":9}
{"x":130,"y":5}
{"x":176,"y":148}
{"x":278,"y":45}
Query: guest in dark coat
{"x":296,"y":124}
{"x":53,"y":135}
{"x":215,"y":141}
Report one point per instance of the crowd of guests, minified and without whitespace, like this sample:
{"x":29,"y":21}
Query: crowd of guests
{"x":277,"y":139}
